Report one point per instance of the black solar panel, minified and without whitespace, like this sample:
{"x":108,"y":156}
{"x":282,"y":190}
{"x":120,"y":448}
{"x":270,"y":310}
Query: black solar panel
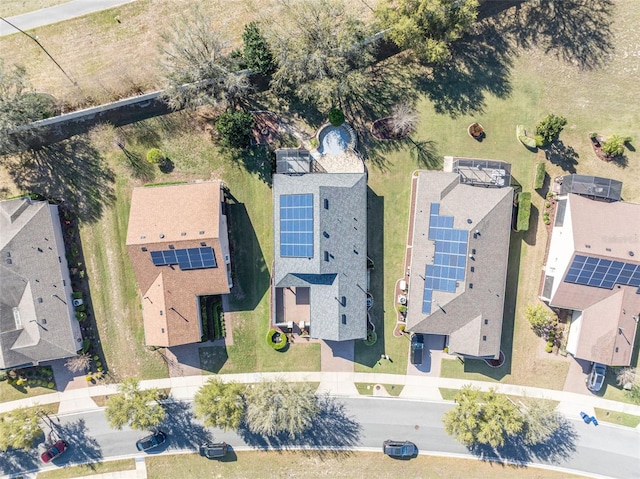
{"x":191,"y":258}
{"x":602,"y":273}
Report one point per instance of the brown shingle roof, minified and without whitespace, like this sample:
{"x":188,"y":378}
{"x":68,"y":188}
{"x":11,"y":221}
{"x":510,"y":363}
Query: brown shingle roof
{"x":170,"y":306}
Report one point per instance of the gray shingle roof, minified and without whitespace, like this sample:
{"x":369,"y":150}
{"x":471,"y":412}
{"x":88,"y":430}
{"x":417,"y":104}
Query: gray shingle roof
{"x":37,"y":320}
{"x":339,"y":230}
{"x":472,"y":315}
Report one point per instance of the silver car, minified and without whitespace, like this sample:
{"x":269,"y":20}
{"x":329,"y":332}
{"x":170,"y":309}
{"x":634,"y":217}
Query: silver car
{"x":595,"y":380}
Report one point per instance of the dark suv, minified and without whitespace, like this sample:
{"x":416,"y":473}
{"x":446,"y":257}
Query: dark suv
{"x":417,"y":348}
{"x":212,"y":450}
{"x":401,"y":449}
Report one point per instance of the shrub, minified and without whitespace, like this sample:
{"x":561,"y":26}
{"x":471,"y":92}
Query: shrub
{"x":155,"y":156}
{"x":401,"y":308}
{"x":540,"y":174}
{"x":77,"y":295}
{"x":336,"y":117}
{"x":614,"y":145}
{"x":272,"y":335}
{"x":524,"y":211}
{"x":549,"y":129}
{"x":527,"y":141}
{"x":548,"y":348}
{"x":539,"y":141}
{"x":539,"y":317}
{"x":547,"y":205}
{"x":402,"y":328}
{"x":234,"y":128}
{"x":314,"y":143}
{"x":593,"y":136}
{"x":81,"y":315}
{"x":86,"y":344}
{"x":51,"y":385}
{"x":371,"y":338}
{"x":75,"y":252}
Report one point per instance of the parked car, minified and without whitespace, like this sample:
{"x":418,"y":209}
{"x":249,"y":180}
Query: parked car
{"x":595,"y":380}
{"x":54,"y":451}
{"x":77,"y":302}
{"x":149,"y":442}
{"x":417,"y":348}
{"x":212,"y":450}
{"x":399,"y":448}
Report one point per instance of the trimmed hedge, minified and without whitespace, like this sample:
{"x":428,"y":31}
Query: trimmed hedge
{"x":524,"y":211}
{"x":521,"y":134}
{"x":540,"y":174}
{"x":277,"y":346}
{"x":336,"y":117}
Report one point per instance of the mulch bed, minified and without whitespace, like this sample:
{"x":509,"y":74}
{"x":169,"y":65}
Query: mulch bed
{"x":266,"y":129}
{"x":382,"y":130}
{"x":597,"y":148}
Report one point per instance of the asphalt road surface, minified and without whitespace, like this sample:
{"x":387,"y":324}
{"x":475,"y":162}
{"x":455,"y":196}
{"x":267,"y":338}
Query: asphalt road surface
{"x":349,"y":423}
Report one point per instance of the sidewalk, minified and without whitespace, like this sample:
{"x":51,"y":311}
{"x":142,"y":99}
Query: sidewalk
{"x":59,"y":13}
{"x":419,"y":388}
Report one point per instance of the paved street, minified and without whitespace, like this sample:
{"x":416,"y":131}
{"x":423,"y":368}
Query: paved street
{"x":353,"y":423}
{"x":58,"y":13}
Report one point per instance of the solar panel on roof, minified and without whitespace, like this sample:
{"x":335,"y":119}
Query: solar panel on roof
{"x":186,"y":259}
{"x":450,"y":256}
{"x":602,"y":273}
{"x":296,"y":226}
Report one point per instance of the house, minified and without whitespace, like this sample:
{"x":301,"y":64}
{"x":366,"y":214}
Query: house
{"x":37,"y":319}
{"x":461,"y":231}
{"x":319,"y":277}
{"x":179,"y":248}
{"x":593,"y":269}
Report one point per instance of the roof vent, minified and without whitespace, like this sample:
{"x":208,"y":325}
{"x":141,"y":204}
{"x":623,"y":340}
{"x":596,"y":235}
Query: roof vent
{"x":143,"y":237}
{"x":161,"y":235}
{"x":631,"y":253}
{"x":183,"y":234}
{"x":9,"y":261}
{"x":587,"y":246}
{"x":201,"y":232}
{"x":608,"y":249}
{"x":469,"y":220}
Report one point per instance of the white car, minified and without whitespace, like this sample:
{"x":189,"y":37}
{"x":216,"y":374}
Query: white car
{"x":595,"y":380}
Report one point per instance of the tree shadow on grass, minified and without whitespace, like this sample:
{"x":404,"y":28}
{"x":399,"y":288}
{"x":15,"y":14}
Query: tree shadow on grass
{"x":71,"y":171}
{"x":180,"y":426}
{"x":331,"y":429}
{"x":137,"y":166}
{"x":578,"y":33}
{"x":559,"y":447}
{"x":562,"y":155}
{"x":258,"y":160}
{"x":479,"y":65}
{"x":84,"y":449}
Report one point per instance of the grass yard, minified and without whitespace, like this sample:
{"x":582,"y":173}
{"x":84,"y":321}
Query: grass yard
{"x":615,"y":417}
{"x":366,"y":389}
{"x":88,"y":469}
{"x":13,"y":393}
{"x":339,"y":464}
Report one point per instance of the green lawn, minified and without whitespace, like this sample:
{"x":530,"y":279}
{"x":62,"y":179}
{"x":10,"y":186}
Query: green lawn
{"x":10,"y":392}
{"x":366,"y":389}
{"x":621,"y":418}
{"x":88,"y":469}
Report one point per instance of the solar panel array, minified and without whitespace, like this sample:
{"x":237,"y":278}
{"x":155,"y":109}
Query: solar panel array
{"x":450,"y":257}
{"x":602,"y":273}
{"x":190,"y":258}
{"x":296,"y":226}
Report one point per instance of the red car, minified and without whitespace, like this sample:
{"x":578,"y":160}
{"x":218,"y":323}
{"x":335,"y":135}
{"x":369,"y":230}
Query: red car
{"x":54,"y":451}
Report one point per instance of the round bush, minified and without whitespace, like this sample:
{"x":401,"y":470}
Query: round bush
{"x":155,"y":156}
{"x":372,"y":337}
{"x":273,"y":336}
{"x":51,"y":385}
{"x":336,"y":117}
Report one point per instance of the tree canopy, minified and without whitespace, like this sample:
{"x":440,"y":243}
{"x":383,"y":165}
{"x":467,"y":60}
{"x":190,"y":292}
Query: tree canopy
{"x":197,"y":66}
{"x":539,"y":318}
{"x":482,"y":418}
{"x":19,"y":106}
{"x":427,"y":26}
{"x":257,"y":52}
{"x":318,"y":46}
{"x":18,"y":429}
{"x":135,"y":407}
{"x":275,"y":407}
{"x":220,"y":404}
{"x":541,"y":421}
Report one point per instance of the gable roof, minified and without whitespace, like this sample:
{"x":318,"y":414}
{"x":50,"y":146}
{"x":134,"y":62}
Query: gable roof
{"x":340,"y":230}
{"x":471,"y":315}
{"x":608,"y":231}
{"x":176,"y":217}
{"x":36,"y":314}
